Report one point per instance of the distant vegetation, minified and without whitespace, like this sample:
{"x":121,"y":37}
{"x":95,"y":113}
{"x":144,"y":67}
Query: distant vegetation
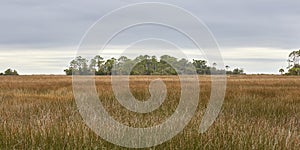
{"x":9,"y":72}
{"x":293,"y":64}
{"x":144,"y":65}
{"x":294,"y":67}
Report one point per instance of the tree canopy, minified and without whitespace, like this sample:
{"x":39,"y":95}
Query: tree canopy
{"x":293,"y":63}
{"x":143,"y":65}
{"x":9,"y":72}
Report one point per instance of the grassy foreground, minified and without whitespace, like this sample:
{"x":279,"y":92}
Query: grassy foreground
{"x":259,"y":112}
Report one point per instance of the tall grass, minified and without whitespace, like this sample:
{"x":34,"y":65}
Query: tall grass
{"x":259,"y":112}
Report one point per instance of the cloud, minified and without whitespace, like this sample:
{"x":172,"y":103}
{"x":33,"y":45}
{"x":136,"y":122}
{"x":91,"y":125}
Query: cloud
{"x":268,"y":29}
{"x":257,"y":23}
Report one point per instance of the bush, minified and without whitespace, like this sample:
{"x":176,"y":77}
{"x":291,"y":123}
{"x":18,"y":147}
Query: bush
{"x":10,"y":72}
{"x":295,"y":70}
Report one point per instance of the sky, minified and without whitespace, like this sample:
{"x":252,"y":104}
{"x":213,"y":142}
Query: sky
{"x":42,"y":37}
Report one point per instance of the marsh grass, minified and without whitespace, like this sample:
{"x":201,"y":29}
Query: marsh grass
{"x":259,"y":112}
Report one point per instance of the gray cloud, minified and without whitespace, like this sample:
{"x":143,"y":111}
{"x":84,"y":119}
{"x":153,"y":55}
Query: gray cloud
{"x":266,"y":23}
{"x":51,"y":25}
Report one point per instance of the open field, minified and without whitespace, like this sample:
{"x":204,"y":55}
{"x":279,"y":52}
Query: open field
{"x":259,"y":112}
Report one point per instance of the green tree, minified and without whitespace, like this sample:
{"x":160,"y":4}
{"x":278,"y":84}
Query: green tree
{"x":109,"y":66}
{"x":93,"y":65}
{"x":142,"y":65}
{"x":78,"y":66}
{"x":201,"y":67}
{"x":293,"y":60}
{"x":10,"y":72}
{"x":72,"y":68}
{"x":183,"y":65}
{"x":227,"y":67}
{"x":99,"y":65}
{"x":123,"y":65}
{"x":214,"y":65}
{"x":237,"y":71}
{"x":68,"y":71}
{"x":166,"y":65}
{"x":227,"y":70}
{"x":295,"y":70}
{"x":154,"y":64}
{"x":281,"y":71}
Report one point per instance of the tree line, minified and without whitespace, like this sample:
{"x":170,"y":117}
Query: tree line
{"x":9,"y":72}
{"x":144,"y":65}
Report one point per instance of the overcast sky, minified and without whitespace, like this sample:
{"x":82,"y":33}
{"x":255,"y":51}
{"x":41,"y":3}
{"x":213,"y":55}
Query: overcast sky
{"x":41,"y":37}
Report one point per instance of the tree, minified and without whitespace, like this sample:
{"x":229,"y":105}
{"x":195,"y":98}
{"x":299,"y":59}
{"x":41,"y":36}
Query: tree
{"x":281,"y":71}
{"x":109,"y":66}
{"x":68,"y":71}
{"x":297,"y":71}
{"x":154,"y":65}
{"x":184,"y":66}
{"x":227,"y":70}
{"x":294,"y":70}
{"x":93,"y":65}
{"x":201,"y":67}
{"x":294,"y":58}
{"x":10,"y":72}
{"x":123,"y":59}
{"x":227,"y":67}
{"x":142,"y":65}
{"x":99,"y":65}
{"x":214,"y":65}
{"x":79,"y":66}
{"x":237,"y":71}
{"x":166,"y":65}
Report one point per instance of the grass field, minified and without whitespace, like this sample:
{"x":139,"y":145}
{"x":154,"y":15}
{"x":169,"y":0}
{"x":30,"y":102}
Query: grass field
{"x":259,"y":112}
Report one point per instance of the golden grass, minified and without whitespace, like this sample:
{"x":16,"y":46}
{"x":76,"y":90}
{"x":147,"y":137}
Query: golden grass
{"x":259,"y":112}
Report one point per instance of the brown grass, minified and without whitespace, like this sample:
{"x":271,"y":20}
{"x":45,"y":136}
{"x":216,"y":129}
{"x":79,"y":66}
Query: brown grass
{"x":259,"y":112}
